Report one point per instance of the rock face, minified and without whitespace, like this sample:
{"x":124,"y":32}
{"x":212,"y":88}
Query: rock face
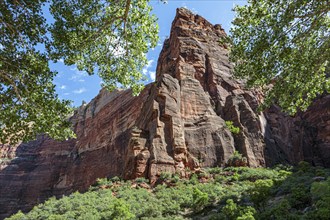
{"x":45,"y":168}
{"x":183,"y":125}
{"x":303,"y":137}
{"x":175,"y":124}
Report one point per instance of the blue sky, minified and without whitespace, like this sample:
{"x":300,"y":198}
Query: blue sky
{"x":78,"y":86}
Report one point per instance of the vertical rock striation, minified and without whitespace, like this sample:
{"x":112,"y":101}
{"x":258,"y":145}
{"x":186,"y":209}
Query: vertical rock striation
{"x":183,"y":120}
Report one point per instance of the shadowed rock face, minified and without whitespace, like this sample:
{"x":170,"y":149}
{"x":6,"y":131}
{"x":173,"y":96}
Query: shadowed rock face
{"x":175,"y":124}
{"x":303,"y":137}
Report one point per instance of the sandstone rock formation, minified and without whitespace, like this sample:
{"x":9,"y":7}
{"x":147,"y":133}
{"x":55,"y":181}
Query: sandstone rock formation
{"x":183,"y":125}
{"x":175,"y":124}
{"x":303,"y":137}
{"x":45,"y":168}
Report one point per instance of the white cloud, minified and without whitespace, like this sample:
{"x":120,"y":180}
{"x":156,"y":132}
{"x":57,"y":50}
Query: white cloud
{"x":61,"y":60}
{"x":63,"y":87}
{"x":67,"y":93}
{"x":149,"y":63}
{"x":152,"y":75}
{"x":193,"y":10}
{"x":147,"y":72}
{"x":79,"y":91}
{"x":78,"y":75}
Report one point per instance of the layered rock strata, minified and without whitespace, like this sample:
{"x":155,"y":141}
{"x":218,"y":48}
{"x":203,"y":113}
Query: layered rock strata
{"x":176,"y":124}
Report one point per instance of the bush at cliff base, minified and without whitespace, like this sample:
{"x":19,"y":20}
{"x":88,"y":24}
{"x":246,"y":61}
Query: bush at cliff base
{"x":301,"y":192}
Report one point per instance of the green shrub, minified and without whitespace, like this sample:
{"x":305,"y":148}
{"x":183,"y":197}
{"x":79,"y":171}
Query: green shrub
{"x":237,"y":160}
{"x":220,"y":178}
{"x":103,"y":182}
{"x":322,"y":209}
{"x":142,"y":202}
{"x":260,"y":192}
{"x":232,"y":128}
{"x":300,"y":196}
{"x":175,"y":178}
{"x":304,"y":166}
{"x":141,"y":180}
{"x":321,"y":189}
{"x":194,"y":179}
{"x":173,"y":199}
{"x":232,"y":211}
{"x":121,"y":211}
{"x":214,"y":170}
{"x":321,"y":196}
{"x":200,"y":199}
{"x":279,"y":210}
{"x":165,"y":176}
{"x":18,"y":216}
{"x":115,"y":179}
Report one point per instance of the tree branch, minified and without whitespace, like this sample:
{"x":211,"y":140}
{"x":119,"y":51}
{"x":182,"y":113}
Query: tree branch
{"x":97,"y":34}
{"x":320,"y":12}
{"x":5,"y":76}
{"x":8,"y":25}
{"x":128,"y":2}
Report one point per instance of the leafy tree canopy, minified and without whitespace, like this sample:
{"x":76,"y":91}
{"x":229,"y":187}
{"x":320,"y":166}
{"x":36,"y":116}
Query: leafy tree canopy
{"x":108,"y":37}
{"x":285,"y":44}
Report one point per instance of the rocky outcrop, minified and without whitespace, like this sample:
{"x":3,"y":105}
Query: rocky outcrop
{"x":183,"y":121}
{"x":176,"y":124}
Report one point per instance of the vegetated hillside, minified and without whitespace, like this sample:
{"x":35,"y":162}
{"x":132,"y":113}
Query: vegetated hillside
{"x":302,"y":192}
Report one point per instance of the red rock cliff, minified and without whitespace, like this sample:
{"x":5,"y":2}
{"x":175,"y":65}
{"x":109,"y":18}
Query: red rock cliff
{"x":183,"y":120}
{"x":303,"y":137}
{"x":176,"y":123}
{"x":45,"y":168}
